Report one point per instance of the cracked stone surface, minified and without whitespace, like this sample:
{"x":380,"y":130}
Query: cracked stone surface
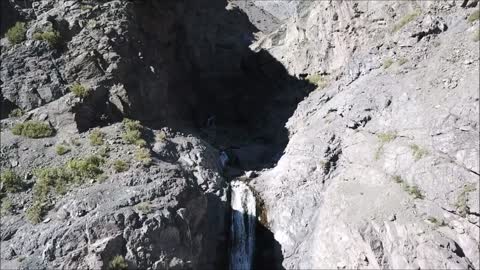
{"x":358,"y":146}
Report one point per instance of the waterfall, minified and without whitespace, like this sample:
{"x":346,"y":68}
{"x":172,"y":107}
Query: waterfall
{"x":242,"y":230}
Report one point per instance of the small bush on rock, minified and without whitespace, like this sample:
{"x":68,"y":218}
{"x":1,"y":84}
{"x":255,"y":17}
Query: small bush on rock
{"x":16,"y":113}
{"x":35,"y":212}
{"x":414,"y":191}
{"x":133,"y":132}
{"x":386,"y":137}
{"x":144,"y":207}
{"x":321,"y":81}
{"x":87,"y":168}
{"x":33,"y":129}
{"x":461,"y":205}
{"x":51,"y":36}
{"x":7,"y":207}
{"x":10,"y":181}
{"x":418,"y":152}
{"x":96,"y":137}
{"x":120,"y":166}
{"x":143,"y":156}
{"x":118,"y":263}
{"x":79,"y":90}
{"x":61,"y":149}
{"x":16,"y":34}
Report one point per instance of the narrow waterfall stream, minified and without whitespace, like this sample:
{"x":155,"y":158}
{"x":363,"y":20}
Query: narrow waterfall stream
{"x":242,"y":230}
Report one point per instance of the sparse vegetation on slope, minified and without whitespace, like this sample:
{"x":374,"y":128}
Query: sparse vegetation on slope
{"x":59,"y":179}
{"x":405,"y":20}
{"x":133,"y":132}
{"x":413,"y":190}
{"x":10,"y":181}
{"x":118,"y":263}
{"x":61,"y":149}
{"x":51,"y":36}
{"x":16,"y":113}
{"x":79,"y":90}
{"x":33,"y":129}
{"x":462,"y":200}
{"x":120,"y":166}
{"x":143,"y":156}
{"x":96,"y":137}
{"x":16,"y":34}
{"x":321,"y":81}
{"x":418,"y":152}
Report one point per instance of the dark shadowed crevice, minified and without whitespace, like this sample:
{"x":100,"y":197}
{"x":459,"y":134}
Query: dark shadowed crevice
{"x":188,"y":65}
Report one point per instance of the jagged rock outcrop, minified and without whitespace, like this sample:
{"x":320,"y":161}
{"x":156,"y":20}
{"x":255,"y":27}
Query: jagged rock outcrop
{"x":381,"y":166}
{"x":165,"y":216}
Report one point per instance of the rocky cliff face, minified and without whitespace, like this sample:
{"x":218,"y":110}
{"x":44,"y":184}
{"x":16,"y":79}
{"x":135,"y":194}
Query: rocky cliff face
{"x":381,"y":170}
{"x":378,"y":166}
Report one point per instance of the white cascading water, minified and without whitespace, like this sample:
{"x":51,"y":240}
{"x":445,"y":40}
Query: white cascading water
{"x":242,"y":230}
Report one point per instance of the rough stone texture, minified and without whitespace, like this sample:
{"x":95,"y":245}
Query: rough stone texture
{"x":333,"y":200}
{"x":399,"y":110}
{"x":183,"y":226}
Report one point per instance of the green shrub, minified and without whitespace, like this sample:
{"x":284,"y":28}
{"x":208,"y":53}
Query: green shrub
{"x":59,"y":179}
{"x":16,"y":113}
{"x":96,"y":137}
{"x":51,"y":177}
{"x":133,"y":132}
{"x":321,"y":81}
{"x":414,"y":191}
{"x":117,"y":263}
{"x":85,"y":7}
{"x":418,"y":152}
{"x":120,"y":166}
{"x":10,"y":181}
{"x":476,"y":36}
{"x":7,"y":207}
{"x":33,"y":129}
{"x":386,"y":137}
{"x":161,"y":136}
{"x":387,"y":63}
{"x":51,"y":36}
{"x":144,"y":207}
{"x":474,"y":16}
{"x":87,"y":168}
{"x":36,"y":212}
{"x":398,"y":179}
{"x":61,"y":149}
{"x":462,"y":199}
{"x":405,"y":20}
{"x":16,"y":34}
{"x":437,"y":222}
{"x":143,"y":156}
{"x":79,"y":90}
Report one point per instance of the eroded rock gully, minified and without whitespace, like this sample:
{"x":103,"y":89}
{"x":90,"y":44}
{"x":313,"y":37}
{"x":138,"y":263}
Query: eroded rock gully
{"x":375,"y":168}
